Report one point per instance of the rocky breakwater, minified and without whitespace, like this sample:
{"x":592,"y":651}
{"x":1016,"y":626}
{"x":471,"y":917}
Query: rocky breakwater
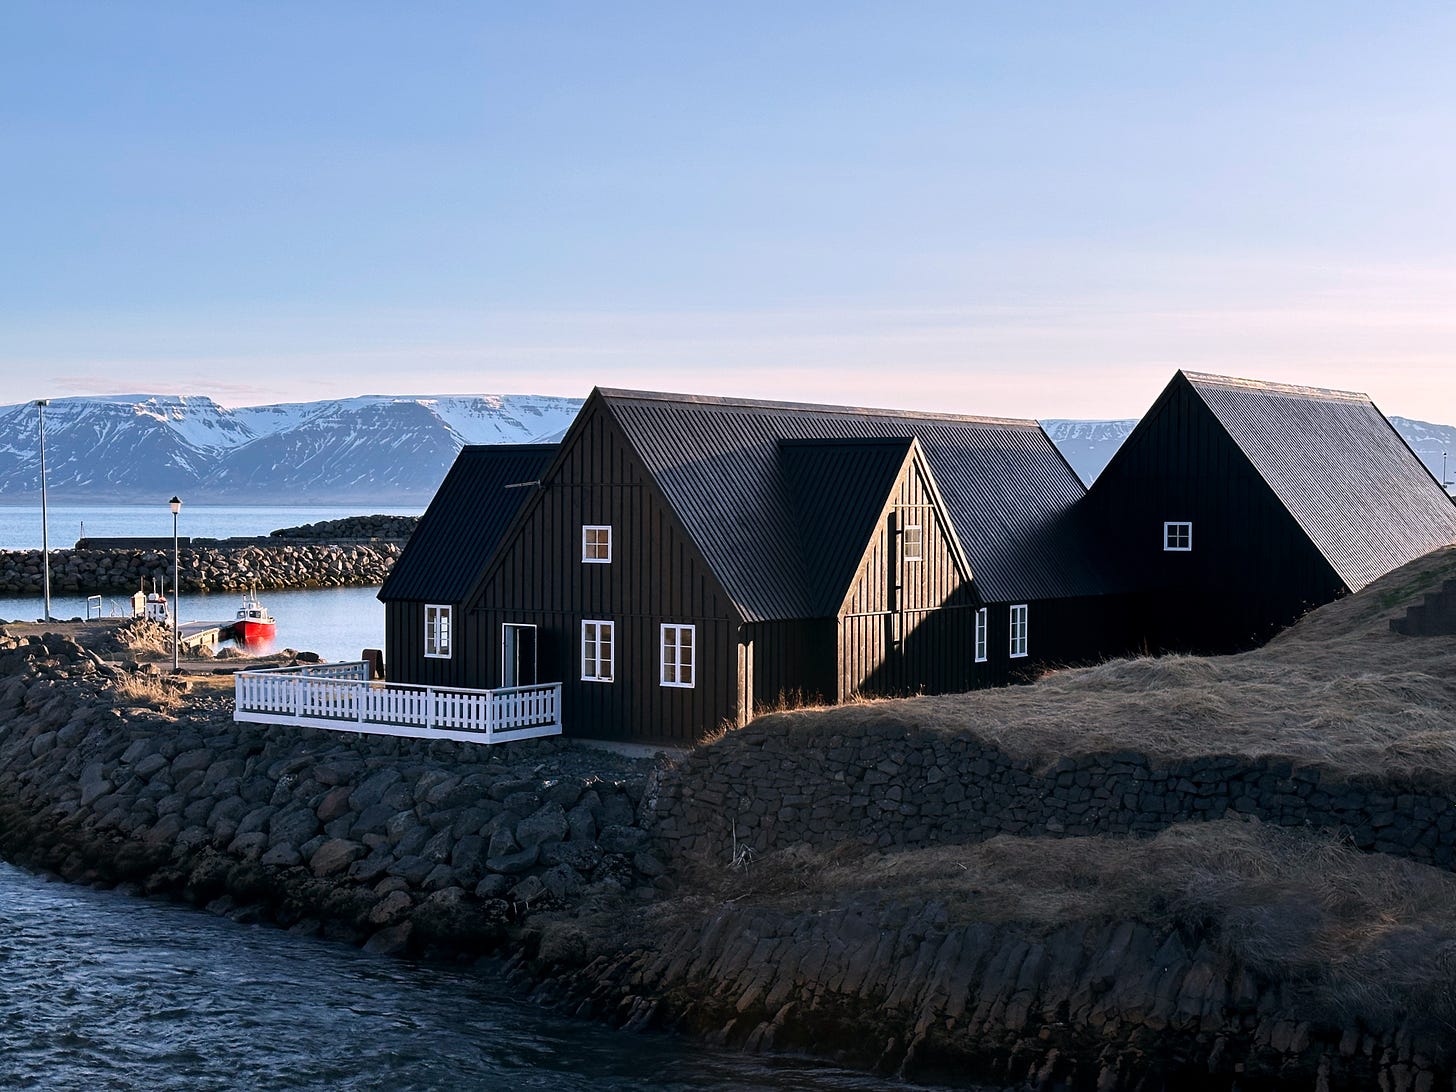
{"x":352,"y":528}
{"x":218,"y":568}
{"x":112,"y":776}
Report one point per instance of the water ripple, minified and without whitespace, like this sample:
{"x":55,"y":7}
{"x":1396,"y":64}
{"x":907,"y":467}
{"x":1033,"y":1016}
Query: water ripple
{"x":98,"y":990}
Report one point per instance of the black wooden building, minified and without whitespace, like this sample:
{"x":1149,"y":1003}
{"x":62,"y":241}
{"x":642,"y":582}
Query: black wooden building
{"x":424,"y":594}
{"x":1241,"y":505}
{"x":689,"y":561}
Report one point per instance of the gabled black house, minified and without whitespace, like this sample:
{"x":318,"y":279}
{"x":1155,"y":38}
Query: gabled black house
{"x":1243,"y":505}
{"x":689,"y":561}
{"x":425,"y":592}
{"x":684,"y":562}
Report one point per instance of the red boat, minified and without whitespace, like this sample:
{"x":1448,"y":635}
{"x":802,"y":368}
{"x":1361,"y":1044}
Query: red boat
{"x":253,"y":624}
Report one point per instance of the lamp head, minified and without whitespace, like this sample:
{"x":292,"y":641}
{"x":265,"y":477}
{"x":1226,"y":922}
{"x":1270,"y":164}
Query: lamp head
{"x":175,"y":504}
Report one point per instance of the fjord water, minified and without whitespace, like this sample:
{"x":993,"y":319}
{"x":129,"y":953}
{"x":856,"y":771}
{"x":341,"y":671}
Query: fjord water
{"x":20,"y":524}
{"x":102,"y":990}
{"x":334,"y":622}
{"x":337,"y":623}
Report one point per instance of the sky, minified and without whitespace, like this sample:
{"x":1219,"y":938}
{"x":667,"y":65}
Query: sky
{"x":1028,"y":210}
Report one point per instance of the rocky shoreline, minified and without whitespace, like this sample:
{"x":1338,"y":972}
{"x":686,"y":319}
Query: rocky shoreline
{"x":113,"y":777}
{"x":357,"y":551}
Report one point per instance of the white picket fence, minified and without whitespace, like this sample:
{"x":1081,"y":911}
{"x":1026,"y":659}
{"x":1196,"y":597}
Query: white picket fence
{"x":341,"y":697}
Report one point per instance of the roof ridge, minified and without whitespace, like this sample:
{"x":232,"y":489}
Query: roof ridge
{"x":844,"y":441}
{"x":813,"y":407}
{"x":1300,"y":390}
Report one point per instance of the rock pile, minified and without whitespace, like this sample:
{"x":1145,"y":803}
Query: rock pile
{"x":403,"y":845}
{"x":203,"y":568}
{"x":352,"y":528}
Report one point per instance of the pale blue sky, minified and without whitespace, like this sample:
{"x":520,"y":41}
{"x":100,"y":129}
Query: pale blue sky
{"x":1021,"y":209}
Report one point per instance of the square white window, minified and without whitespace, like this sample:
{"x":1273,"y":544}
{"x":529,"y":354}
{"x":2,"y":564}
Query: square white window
{"x":597,"y":645}
{"x":596,"y":544}
{"x":1018,"y":630}
{"x":913,"y":543}
{"x":679,"y":652}
{"x":438,"y":628}
{"x":1178,"y":537}
{"x":983,"y":626}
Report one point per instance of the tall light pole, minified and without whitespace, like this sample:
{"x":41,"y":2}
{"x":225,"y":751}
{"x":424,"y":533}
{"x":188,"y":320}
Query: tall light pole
{"x":45,"y":535}
{"x":176,"y":505}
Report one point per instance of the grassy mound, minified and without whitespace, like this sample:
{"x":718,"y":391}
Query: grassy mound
{"x":1337,"y":690}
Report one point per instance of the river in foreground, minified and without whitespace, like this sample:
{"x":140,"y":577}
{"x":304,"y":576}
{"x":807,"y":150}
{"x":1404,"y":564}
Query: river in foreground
{"x":101,"y":990}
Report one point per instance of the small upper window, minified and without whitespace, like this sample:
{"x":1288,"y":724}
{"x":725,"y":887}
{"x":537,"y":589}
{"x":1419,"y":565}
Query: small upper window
{"x":913,"y":543}
{"x":437,"y":631}
{"x":596,"y":544}
{"x":1178,"y":536}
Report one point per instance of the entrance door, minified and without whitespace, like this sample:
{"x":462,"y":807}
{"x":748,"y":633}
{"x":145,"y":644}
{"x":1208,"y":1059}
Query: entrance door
{"x":518,"y":655}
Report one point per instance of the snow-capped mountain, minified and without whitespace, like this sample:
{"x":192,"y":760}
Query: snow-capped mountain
{"x":370,"y":448}
{"x":1090,"y":445}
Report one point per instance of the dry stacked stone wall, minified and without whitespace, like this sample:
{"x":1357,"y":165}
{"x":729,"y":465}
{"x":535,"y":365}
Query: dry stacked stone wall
{"x":890,"y":784}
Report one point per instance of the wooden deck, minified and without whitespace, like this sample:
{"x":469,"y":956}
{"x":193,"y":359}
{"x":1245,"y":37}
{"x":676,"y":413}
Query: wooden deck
{"x":340,"y":697}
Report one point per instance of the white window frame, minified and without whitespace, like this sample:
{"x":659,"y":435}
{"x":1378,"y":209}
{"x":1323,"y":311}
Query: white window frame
{"x":983,"y":634}
{"x":1019,"y":613}
{"x":670,"y":660}
{"x":1169,"y":534}
{"x":586,"y":529}
{"x":919,"y":554}
{"x":598,"y":627}
{"x":437,"y":648}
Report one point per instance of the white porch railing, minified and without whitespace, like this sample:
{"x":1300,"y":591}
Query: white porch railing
{"x":341,"y":697}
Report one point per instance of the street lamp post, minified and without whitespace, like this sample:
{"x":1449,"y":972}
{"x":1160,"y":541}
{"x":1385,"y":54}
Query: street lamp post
{"x":45,"y":535}
{"x":176,"y":505}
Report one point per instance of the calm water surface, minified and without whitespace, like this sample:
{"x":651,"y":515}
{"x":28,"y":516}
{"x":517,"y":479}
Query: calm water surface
{"x":99,"y":990}
{"x":20,"y":524}
{"x":337,"y":623}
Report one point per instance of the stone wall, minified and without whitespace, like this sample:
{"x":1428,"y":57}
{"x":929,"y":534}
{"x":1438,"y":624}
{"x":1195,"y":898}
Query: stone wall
{"x":889,"y":784}
{"x":203,"y":568}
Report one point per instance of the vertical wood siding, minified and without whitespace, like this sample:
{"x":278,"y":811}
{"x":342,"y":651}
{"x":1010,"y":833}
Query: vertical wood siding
{"x":1251,"y":571}
{"x":404,"y":647}
{"x":655,"y":577}
{"x":907,"y":626}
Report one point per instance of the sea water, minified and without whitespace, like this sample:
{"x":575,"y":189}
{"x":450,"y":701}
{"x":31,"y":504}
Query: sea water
{"x":99,"y":990}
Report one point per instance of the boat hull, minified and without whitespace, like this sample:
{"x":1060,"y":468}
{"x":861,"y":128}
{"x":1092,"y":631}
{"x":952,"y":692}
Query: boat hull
{"x":250,"y":632}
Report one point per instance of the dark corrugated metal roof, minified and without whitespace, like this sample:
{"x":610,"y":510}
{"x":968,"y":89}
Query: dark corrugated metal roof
{"x":838,"y":489}
{"x":485,"y":488}
{"x":1362,"y":496}
{"x":1009,"y":492}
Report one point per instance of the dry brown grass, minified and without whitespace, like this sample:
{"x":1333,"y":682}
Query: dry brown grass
{"x":148,"y":692}
{"x":1337,"y":690}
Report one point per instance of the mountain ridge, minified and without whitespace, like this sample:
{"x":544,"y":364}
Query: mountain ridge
{"x":373,"y":448}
